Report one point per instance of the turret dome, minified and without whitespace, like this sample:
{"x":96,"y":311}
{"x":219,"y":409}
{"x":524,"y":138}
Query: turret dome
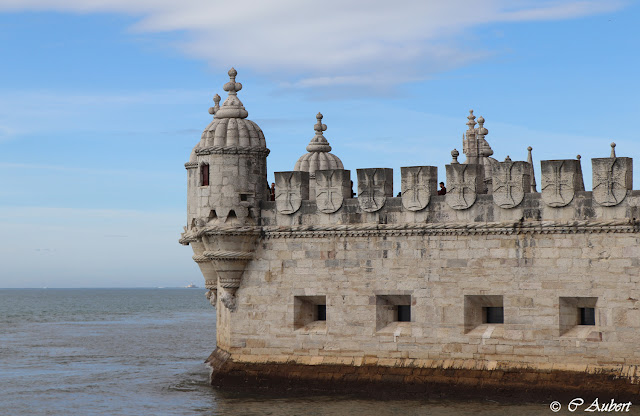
{"x":318,"y":157}
{"x":230,"y":127}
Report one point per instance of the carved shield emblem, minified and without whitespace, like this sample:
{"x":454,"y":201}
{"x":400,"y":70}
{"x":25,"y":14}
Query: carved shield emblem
{"x":510,"y":182}
{"x":374,"y":185}
{"x":418,"y":184}
{"x":291,"y":189}
{"x":612,"y":178}
{"x":462,"y":181}
{"x":558,"y":181}
{"x":331,"y":186}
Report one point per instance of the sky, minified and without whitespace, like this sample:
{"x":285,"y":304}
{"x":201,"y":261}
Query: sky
{"x":101,"y":102}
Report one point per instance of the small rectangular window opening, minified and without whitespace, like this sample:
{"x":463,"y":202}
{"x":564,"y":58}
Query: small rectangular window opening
{"x":322,"y":312}
{"x":587,"y":316}
{"x":204,"y":174}
{"x":404,"y":313}
{"x":493,"y":314}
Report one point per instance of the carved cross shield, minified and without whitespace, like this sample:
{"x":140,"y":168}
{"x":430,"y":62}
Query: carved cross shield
{"x":612,"y":177}
{"x":559,"y":181}
{"x":511,"y":180}
{"x":291,"y":189}
{"x":331,"y":187}
{"x":463,"y":182}
{"x":374,"y":185}
{"x":418,"y":184}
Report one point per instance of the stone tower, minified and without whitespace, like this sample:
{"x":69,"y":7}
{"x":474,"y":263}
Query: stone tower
{"x":493,"y":283}
{"x":227,"y":179}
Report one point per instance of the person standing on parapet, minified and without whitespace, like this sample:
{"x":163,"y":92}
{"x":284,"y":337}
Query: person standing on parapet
{"x":442,"y":190}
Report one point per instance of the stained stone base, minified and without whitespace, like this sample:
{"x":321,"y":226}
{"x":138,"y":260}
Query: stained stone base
{"x":423,"y":378}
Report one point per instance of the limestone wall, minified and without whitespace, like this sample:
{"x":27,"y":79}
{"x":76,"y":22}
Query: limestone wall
{"x":539,"y":263}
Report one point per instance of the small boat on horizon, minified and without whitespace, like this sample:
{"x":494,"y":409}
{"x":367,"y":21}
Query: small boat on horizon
{"x":191,"y":286}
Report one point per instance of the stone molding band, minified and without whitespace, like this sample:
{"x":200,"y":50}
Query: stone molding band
{"x":199,"y":258}
{"x":365,"y":230}
{"x":506,"y":228}
{"x":228,"y":255}
{"x":233,"y":150}
{"x":191,"y":165}
{"x":196,"y":234}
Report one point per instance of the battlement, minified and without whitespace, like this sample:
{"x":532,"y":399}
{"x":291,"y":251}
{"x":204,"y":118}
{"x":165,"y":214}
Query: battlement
{"x":509,"y":196}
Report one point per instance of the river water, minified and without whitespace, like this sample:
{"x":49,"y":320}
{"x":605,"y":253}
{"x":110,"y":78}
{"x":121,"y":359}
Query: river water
{"x":141,"y":351}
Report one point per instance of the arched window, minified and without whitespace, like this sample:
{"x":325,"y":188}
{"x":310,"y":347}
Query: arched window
{"x":204,"y":174}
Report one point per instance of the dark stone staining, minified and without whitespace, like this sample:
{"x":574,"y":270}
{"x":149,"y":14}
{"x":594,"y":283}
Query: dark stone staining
{"x":484,"y":208}
{"x":531,"y":207}
{"x":355,"y":218}
{"x":584,"y":206}
{"x":393,"y":204}
{"x":409,"y":381}
{"x":456,"y":263}
{"x":289,"y":263}
{"x":332,"y":263}
{"x":268,"y":205}
{"x":308,"y":208}
{"x":350,"y":206}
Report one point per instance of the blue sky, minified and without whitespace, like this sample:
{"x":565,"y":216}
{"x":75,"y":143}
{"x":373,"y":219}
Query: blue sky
{"x":102,"y":101}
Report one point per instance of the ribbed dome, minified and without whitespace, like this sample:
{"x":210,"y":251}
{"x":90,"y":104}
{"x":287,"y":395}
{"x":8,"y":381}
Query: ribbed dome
{"x":233,"y":132}
{"x":318,"y":157}
{"x":230,"y":126}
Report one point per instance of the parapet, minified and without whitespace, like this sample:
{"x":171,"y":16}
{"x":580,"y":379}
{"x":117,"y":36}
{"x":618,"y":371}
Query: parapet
{"x":510,"y":196}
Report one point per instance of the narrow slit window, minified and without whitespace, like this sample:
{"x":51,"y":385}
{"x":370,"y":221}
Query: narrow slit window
{"x":493,"y":315}
{"x":404,"y":313}
{"x":204,"y":174}
{"x":322,"y":312}
{"x":587,"y":316}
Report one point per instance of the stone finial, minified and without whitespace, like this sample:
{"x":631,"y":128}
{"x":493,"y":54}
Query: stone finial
{"x":319,"y":143}
{"x":507,"y":159}
{"x":578,"y":157}
{"x":319,"y":127}
{"x":232,"y":86}
{"x":454,"y":155}
{"x":532,"y":173}
{"x":232,"y":106}
{"x":472,"y":120}
{"x":216,"y":100}
{"x":482,"y":131}
{"x":613,"y":150}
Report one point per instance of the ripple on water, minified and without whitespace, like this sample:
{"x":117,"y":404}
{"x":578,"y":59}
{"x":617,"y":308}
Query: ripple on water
{"x":140,"y":351}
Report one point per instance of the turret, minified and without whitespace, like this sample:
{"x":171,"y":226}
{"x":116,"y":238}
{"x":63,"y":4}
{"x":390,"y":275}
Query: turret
{"x":227,"y":174}
{"x":228,"y":167}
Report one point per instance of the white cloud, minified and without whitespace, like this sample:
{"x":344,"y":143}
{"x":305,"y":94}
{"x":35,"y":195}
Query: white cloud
{"x":336,"y":42}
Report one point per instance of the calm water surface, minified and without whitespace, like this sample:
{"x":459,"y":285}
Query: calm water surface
{"x":141,"y":352}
